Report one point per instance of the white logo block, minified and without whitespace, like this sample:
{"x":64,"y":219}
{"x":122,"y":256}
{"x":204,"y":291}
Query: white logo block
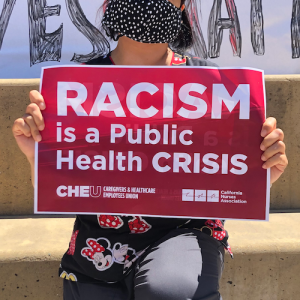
{"x":212,"y":196}
{"x":200,"y":195}
{"x":187,"y":195}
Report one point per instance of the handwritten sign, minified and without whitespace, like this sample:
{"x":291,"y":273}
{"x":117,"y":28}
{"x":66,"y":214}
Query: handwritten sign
{"x":35,"y":34}
{"x":154,"y":141}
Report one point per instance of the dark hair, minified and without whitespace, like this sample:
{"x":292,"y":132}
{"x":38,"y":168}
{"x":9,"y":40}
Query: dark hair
{"x":183,"y":41}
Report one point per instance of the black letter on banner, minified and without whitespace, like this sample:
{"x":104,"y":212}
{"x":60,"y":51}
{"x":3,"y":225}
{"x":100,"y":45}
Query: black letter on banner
{"x":199,"y":45}
{"x":216,"y":25}
{"x":43,"y":46}
{"x":100,"y":44}
{"x":295,"y":29}
{"x":8,"y":7}
{"x":257,"y":27}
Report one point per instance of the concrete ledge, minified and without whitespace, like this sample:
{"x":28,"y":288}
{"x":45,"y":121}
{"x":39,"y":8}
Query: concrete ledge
{"x":283,"y":102}
{"x":266,"y":264}
{"x":15,"y":188}
{"x":37,"y":280}
{"x":35,"y":239}
{"x":34,"y":82}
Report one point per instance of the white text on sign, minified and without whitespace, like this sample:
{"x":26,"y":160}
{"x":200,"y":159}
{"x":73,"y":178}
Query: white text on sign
{"x":220,"y":96}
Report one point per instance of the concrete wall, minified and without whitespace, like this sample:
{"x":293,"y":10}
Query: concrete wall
{"x":265,"y":266}
{"x":283,"y":103}
{"x":16,"y":193}
{"x":15,"y":189}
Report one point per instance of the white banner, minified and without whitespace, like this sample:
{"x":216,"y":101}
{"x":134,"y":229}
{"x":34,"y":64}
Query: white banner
{"x":261,"y":34}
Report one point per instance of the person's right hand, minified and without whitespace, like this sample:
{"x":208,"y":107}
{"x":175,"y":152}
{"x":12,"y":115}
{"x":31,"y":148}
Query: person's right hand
{"x":26,"y":130}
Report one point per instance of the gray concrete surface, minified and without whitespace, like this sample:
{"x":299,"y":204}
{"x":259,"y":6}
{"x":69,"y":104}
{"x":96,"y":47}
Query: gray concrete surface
{"x":283,"y":102}
{"x":15,"y":188}
{"x":266,"y":264}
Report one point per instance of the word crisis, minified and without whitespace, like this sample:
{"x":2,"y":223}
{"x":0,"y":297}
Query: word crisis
{"x":162,"y":162}
{"x":107,"y":100}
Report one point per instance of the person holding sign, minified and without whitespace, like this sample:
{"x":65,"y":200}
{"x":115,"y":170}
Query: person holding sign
{"x":134,"y":257}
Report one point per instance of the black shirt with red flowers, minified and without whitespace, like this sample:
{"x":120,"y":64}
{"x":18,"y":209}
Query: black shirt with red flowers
{"x":104,"y":247}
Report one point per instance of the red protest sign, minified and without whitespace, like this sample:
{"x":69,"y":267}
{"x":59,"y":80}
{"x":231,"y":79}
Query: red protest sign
{"x":152,"y":141}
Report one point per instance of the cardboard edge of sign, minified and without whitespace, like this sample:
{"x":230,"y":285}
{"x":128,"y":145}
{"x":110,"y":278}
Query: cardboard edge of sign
{"x":149,"y":67}
{"x":268,"y":191}
{"x":36,"y":151}
{"x":36,"y":211}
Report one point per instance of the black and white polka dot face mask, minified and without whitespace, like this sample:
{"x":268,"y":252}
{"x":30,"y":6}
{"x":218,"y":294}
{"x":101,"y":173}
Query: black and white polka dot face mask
{"x":146,"y":21}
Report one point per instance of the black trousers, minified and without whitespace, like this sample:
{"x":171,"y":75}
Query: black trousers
{"x":184,"y":265}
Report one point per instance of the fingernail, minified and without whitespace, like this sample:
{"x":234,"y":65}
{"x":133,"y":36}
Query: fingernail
{"x":38,"y":138}
{"x":263,"y":133}
{"x":42,"y":105}
{"x":41,"y":127}
{"x":263,"y":158}
{"x":262,"y":147}
{"x":264,"y":166}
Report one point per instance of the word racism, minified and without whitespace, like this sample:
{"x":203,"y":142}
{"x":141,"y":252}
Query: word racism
{"x":48,"y":46}
{"x":107,"y":101}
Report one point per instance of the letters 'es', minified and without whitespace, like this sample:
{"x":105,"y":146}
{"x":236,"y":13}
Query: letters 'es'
{"x":48,"y":46}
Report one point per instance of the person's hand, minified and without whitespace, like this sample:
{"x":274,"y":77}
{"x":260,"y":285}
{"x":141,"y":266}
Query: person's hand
{"x":274,"y":149}
{"x":26,"y":130}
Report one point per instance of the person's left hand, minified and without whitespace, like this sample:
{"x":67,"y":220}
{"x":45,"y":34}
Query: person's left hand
{"x":274,"y":149}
